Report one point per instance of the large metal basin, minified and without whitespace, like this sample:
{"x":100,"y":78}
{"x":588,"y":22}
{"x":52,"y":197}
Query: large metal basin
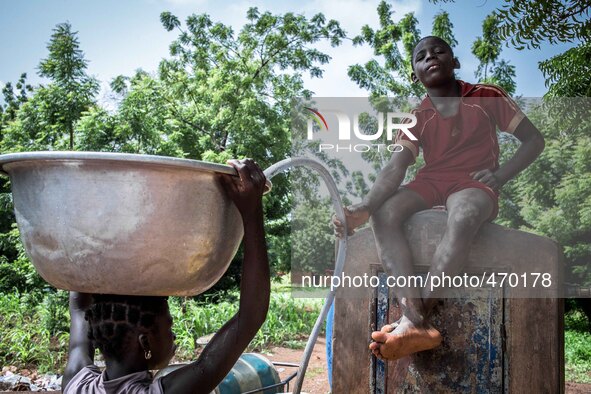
{"x":122,"y":223}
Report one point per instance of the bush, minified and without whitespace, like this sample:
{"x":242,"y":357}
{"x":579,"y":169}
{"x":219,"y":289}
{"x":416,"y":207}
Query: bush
{"x":288,"y":323}
{"x":577,"y":347}
{"x":17,"y":273}
{"x":26,"y":342}
{"x":34,"y":327}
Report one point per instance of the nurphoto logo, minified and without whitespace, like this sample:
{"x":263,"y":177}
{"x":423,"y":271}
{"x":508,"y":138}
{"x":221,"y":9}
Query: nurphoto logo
{"x":394,"y":121}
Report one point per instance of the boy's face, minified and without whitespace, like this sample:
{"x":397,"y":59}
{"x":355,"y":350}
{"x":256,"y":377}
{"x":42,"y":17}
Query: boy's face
{"x":433,"y":63}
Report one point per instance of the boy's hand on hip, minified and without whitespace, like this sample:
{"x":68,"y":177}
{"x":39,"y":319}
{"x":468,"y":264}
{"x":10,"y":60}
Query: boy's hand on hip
{"x":245,"y":190}
{"x":355,"y":215}
{"x":487,"y":177}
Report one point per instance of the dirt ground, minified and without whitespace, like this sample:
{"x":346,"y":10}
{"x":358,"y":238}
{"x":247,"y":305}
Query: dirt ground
{"x":577,"y":388}
{"x":316,"y":380}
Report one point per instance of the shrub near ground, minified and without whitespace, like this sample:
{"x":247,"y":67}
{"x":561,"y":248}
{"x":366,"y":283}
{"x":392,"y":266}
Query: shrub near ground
{"x":34,"y":330}
{"x":34,"y":327}
{"x":289,"y":321}
{"x":577,"y":347}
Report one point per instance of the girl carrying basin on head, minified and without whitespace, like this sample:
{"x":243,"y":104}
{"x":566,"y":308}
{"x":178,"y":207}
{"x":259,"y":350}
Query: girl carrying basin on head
{"x":134,"y":333}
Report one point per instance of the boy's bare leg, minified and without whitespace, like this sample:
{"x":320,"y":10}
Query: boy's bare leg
{"x":467,"y":210}
{"x":394,"y":252}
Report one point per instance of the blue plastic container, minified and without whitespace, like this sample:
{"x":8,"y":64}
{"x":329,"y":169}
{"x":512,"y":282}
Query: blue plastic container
{"x":329,"y":325}
{"x":251,"y":372}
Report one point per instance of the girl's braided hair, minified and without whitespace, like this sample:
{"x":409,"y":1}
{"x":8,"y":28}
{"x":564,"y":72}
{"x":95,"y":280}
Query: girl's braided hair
{"x":112,"y":318}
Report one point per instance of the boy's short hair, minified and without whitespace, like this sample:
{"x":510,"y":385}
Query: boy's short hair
{"x":112,"y":317}
{"x":445,"y":43}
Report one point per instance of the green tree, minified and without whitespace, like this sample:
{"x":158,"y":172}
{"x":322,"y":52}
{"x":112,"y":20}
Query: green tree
{"x":443,"y":28}
{"x":552,"y":197}
{"x":40,"y":119}
{"x":13,"y":97}
{"x":232,"y":92}
{"x":556,"y":188}
{"x":389,"y":73}
{"x":487,"y":49}
{"x":312,"y":236}
{"x":388,"y":76}
{"x":66,"y":67}
{"x":142,"y":123}
{"x":529,"y":24}
{"x":220,"y":94}
{"x":569,"y":74}
{"x":47,"y":119}
{"x":15,"y":270}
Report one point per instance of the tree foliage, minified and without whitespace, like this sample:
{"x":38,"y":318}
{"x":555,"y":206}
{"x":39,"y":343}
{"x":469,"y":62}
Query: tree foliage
{"x":569,"y":74}
{"x":40,"y":118}
{"x":553,"y":196}
{"x":312,"y":236}
{"x":46,"y":120}
{"x":72,"y":90}
{"x":13,"y":97}
{"x":527,"y":24}
{"x":219,"y":95}
{"x":234,"y":91}
{"x":487,"y":49}
{"x":443,"y":28}
{"x":389,"y":75}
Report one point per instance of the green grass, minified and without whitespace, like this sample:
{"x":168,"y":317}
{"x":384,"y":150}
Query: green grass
{"x":34,"y":329}
{"x":577,"y":347}
{"x":289,"y":320}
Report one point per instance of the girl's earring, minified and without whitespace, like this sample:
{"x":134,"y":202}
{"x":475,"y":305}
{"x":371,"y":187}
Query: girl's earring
{"x":148,"y":354}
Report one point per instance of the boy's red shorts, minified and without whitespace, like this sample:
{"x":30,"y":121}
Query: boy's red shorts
{"x":436,"y":192}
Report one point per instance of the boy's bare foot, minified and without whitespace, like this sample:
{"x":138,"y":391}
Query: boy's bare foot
{"x":405,"y":340}
{"x":391,"y":327}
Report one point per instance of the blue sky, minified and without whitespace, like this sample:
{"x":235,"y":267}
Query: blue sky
{"x":118,"y":36}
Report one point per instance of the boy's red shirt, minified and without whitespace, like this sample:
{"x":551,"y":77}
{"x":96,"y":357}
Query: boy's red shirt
{"x":466,"y":142}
